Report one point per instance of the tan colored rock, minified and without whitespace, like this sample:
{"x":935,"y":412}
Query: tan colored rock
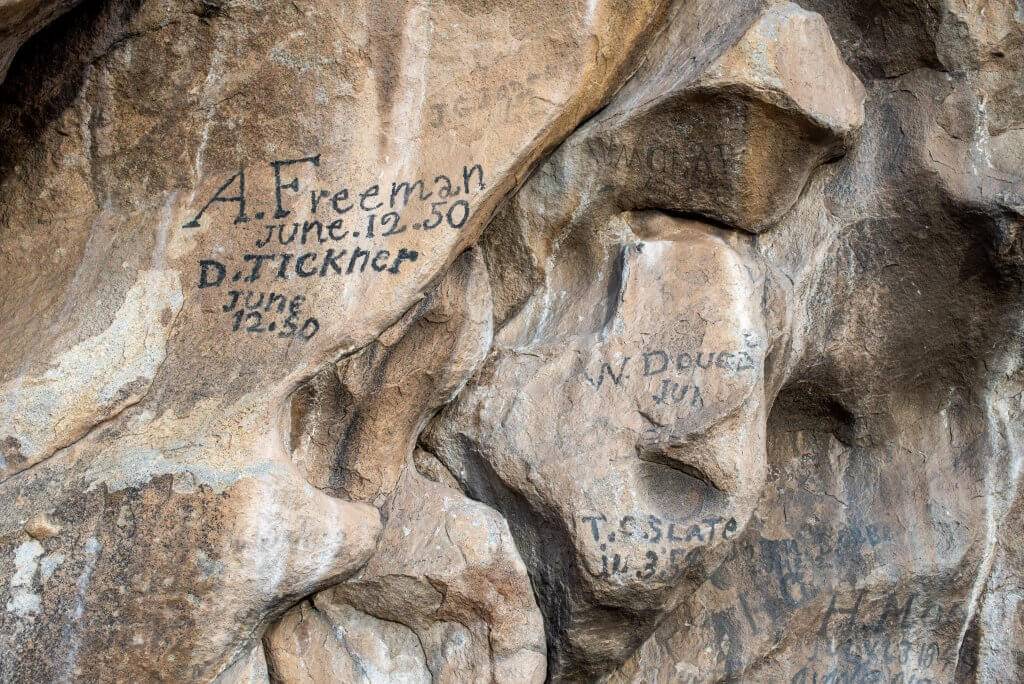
{"x":232,"y":198}
{"x":20,"y":19}
{"x":446,"y":598}
{"x":731,"y":136}
{"x":355,"y":426}
{"x":787,"y":59}
{"x":314,"y":643}
{"x":634,"y":440}
{"x":446,"y":595}
{"x":93,"y":380}
{"x":876,"y":551}
{"x":285,"y":540}
{"x":41,"y":528}
{"x":580,"y":341}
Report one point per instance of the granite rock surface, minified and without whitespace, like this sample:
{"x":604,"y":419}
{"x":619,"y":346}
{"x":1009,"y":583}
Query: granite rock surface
{"x":648,"y":341}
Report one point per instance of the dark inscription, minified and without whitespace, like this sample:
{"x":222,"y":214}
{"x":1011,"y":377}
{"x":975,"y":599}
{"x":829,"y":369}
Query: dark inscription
{"x":657,"y":363}
{"x":313,"y":264}
{"x":667,"y":546}
{"x":269,"y":312}
{"x":341,"y":237}
{"x":665,"y":164}
{"x":862,"y":635}
{"x":370,"y":211}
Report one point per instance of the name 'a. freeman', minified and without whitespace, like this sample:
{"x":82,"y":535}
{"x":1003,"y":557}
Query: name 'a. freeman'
{"x":370,"y":199}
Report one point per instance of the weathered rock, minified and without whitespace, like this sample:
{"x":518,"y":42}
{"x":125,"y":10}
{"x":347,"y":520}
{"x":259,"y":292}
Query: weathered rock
{"x":446,"y":592}
{"x":314,"y":643}
{"x":19,"y":19}
{"x":153,"y":555}
{"x":250,"y":669}
{"x":733,"y":142}
{"x":247,"y":193}
{"x":875,"y":553}
{"x":446,"y":598}
{"x":355,"y":425}
{"x":662,"y":452}
{"x":629,"y":341}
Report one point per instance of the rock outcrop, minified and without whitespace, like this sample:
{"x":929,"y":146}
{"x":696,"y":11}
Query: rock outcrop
{"x":659,"y":341}
{"x":20,"y":19}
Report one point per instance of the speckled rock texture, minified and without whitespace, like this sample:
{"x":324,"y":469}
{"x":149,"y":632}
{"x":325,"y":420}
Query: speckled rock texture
{"x":664,"y":341}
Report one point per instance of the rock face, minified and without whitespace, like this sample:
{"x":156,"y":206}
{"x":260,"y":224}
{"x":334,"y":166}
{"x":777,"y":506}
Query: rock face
{"x":660,"y":341}
{"x":19,"y":19}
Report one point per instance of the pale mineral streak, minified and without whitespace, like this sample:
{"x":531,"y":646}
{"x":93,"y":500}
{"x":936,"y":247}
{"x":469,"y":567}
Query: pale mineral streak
{"x":392,"y":341}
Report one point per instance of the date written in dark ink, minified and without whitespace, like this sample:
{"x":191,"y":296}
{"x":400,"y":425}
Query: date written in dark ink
{"x":385,"y":225}
{"x":647,"y":547}
{"x":269,"y":312}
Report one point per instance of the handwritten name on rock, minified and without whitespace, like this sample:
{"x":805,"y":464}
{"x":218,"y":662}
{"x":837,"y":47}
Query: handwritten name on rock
{"x":341,"y":233}
{"x":656,"y":364}
{"x":666,"y":545}
{"x":336,"y":202}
